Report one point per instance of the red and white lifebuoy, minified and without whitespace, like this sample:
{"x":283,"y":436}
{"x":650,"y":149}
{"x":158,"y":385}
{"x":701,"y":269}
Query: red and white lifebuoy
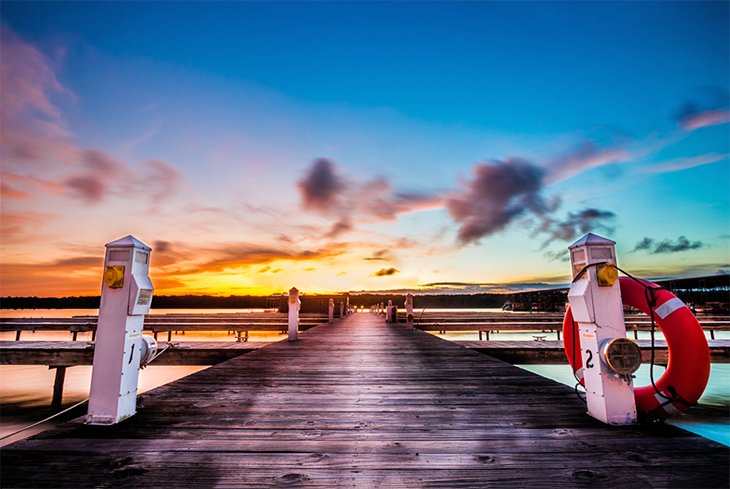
{"x":688,"y":368}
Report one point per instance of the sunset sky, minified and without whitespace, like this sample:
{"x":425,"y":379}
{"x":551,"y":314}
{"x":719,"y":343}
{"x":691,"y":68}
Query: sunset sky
{"x":361,"y":146}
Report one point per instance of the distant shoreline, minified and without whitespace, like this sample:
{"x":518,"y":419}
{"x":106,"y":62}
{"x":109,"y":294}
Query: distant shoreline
{"x":483,"y":300}
{"x":708,"y":290}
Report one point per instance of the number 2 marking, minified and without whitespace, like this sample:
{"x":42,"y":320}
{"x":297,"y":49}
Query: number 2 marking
{"x":589,"y":363}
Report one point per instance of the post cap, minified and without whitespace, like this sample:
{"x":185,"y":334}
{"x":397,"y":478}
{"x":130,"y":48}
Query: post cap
{"x":591,"y":239}
{"x":293,"y":291}
{"x":128,"y":242}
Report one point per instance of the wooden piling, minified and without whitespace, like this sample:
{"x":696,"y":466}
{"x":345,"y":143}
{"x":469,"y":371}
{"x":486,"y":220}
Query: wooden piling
{"x":60,"y":378}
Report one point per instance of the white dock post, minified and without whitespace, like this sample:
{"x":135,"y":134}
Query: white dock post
{"x":595,"y":300}
{"x":409,"y":310}
{"x":331,"y":311}
{"x":388,"y":311}
{"x":294,"y":305}
{"x":126,"y":296}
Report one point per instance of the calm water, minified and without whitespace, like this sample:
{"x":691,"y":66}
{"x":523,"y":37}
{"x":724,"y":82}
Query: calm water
{"x":25,"y":391}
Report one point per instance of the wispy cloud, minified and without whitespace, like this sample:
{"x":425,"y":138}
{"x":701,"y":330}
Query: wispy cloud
{"x":705,"y":119}
{"x":340,"y":227}
{"x":184,"y":259}
{"x":710,"y":107}
{"x":655,"y":247}
{"x":583,"y":157}
{"x":576,"y":223}
{"x":37,"y":145}
{"x":9,"y":193}
{"x":34,"y":131}
{"x":686,"y":163}
{"x":102,"y":176}
{"x":384,"y":272}
{"x":16,"y":226}
{"x":380,"y":255}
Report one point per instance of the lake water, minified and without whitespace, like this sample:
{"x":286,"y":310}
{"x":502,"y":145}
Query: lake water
{"x":25,"y":391}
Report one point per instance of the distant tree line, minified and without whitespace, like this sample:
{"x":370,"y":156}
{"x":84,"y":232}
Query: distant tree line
{"x":245,"y":302}
{"x":158,"y":302}
{"x":433,"y":301}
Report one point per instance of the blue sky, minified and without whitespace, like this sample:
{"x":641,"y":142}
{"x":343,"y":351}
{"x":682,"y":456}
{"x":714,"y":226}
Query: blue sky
{"x":463,"y":142}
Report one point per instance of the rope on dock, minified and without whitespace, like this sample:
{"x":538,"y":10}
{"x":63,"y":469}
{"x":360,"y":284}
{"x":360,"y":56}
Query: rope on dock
{"x":75,"y":405}
{"x":44,"y":420}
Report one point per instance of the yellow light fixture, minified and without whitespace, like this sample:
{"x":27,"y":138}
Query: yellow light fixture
{"x":114,"y":276}
{"x":606,"y":274}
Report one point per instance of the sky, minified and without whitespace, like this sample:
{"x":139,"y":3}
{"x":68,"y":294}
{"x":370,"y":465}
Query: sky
{"x":347,"y":146}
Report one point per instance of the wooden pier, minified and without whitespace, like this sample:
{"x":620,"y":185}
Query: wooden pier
{"x":363,"y":404}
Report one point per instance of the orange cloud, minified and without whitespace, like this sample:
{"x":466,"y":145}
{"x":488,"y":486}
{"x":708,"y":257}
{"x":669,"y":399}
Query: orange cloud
{"x":14,"y":226}
{"x":9,"y":193}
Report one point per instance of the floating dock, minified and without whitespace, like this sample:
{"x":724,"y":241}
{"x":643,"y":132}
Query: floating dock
{"x":362,"y":403}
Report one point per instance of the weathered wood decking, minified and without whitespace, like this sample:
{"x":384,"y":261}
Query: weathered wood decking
{"x":365,"y":404}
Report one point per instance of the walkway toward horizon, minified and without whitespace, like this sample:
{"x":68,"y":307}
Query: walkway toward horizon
{"x":366,"y":404}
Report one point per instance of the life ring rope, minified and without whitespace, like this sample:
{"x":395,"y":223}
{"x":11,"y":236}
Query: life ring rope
{"x":666,"y":400}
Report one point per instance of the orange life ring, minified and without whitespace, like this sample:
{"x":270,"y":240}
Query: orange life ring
{"x":688,"y":368}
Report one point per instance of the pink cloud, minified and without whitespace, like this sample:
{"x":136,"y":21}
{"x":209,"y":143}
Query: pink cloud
{"x":707,"y":118}
{"x":31,"y":182}
{"x":9,"y":193}
{"x":34,"y":131}
{"x":104,"y":176}
{"x":584,"y":157}
{"x":160,"y":180}
{"x":89,"y":188}
{"x":685,"y":163}
{"x":33,"y":127}
{"x":98,"y":161}
{"x":27,"y":79}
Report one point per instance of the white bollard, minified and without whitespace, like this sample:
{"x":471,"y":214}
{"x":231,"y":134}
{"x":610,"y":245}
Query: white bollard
{"x":409,"y":310}
{"x":331,"y":311}
{"x":388,"y":311}
{"x":294,"y":305}
{"x":595,"y":300}
{"x":126,"y":296}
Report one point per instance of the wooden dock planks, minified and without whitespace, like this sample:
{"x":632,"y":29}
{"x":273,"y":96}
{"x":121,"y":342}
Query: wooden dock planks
{"x":364,"y":404}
